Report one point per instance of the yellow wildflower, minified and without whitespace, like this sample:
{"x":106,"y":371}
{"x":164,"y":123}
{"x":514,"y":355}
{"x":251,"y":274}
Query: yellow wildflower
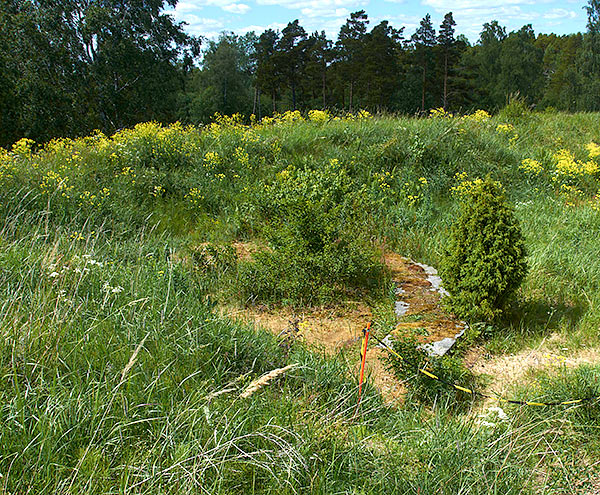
{"x":318,"y":116}
{"x":531,"y":166}
{"x":22,"y":147}
{"x":478,"y":116}
{"x":593,"y":150}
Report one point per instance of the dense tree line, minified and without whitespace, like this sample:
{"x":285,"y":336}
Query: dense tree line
{"x":70,"y":66}
{"x":381,"y":68}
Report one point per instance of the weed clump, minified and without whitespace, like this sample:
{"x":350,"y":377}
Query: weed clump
{"x":485,"y":259}
{"x":423,"y":389}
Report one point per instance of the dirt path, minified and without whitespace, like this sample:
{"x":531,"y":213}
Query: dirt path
{"x":508,"y":370}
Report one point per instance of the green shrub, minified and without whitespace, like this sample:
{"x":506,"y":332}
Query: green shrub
{"x":422,"y":388}
{"x":296,"y":276}
{"x":484,"y":261}
{"x":516,"y":108}
{"x":318,"y":250}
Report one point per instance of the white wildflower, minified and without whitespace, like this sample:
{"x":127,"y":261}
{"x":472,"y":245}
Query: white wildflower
{"x":501,"y":414}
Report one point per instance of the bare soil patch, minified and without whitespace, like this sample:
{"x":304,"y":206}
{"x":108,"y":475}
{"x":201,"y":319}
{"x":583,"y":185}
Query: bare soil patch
{"x":338,"y":328}
{"x":506,"y":371}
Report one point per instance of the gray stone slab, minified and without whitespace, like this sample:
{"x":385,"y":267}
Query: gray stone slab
{"x":400,"y":308}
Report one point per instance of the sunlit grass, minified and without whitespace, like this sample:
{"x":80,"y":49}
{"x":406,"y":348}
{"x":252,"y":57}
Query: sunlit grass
{"x":117,"y":376}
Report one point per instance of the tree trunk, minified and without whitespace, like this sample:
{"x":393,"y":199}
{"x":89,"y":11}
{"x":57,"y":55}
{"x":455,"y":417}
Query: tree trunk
{"x":446,"y":80}
{"x":423,"y":88}
{"x":324,"y":92}
{"x":274,"y":102}
{"x":351,"y":94}
{"x":294,"y":94}
{"x":259,"y":109}
{"x":255,"y":100}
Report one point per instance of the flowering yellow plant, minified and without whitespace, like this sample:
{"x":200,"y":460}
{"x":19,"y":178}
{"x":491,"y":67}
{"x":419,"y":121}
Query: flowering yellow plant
{"x":440,"y":113}
{"x":593,"y":150}
{"x":195,"y":197}
{"x":157,"y":191}
{"x":567,"y":165}
{"x":22,"y":148}
{"x":505,"y":128}
{"x":53,"y":182}
{"x":318,"y":116}
{"x":242,"y":156}
{"x":478,"y":116}
{"x":212,"y":159}
{"x":465,"y":186}
{"x":531,"y":166}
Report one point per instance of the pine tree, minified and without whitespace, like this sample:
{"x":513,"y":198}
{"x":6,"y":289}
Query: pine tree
{"x":588,"y":61}
{"x":290,"y":56}
{"x":267,"y":76}
{"x":424,"y":40}
{"x":350,"y":51}
{"x":447,"y":41}
{"x":381,"y":69}
{"x":486,"y":61}
{"x":318,"y":57}
{"x":521,"y":63}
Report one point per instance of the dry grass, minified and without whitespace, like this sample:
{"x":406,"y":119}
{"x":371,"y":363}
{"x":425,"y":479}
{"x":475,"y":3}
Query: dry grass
{"x":265,"y":379}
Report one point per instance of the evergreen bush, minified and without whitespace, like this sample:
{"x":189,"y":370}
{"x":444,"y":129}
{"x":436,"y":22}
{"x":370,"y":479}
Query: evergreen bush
{"x":484,"y":261}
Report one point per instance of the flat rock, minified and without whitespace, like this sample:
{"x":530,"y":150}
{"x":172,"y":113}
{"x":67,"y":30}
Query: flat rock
{"x":439,"y":348}
{"x":400,"y":308}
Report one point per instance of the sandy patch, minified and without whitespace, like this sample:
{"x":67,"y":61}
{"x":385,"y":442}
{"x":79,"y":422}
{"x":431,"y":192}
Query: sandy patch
{"x":506,"y":371}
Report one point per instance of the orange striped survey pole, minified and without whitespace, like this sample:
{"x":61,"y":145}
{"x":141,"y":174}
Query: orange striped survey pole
{"x":363,"y":355}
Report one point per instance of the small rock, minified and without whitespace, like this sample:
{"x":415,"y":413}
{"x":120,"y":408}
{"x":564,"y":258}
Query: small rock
{"x":439,"y":348}
{"x":400,"y":308}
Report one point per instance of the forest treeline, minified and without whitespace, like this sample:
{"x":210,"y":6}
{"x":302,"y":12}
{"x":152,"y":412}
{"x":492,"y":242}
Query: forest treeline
{"x":70,"y":66}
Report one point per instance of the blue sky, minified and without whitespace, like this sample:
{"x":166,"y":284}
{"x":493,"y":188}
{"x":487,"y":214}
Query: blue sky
{"x":210,"y":17}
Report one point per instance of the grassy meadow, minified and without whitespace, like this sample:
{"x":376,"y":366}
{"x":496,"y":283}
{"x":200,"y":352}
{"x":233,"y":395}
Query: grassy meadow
{"x":119,"y":375}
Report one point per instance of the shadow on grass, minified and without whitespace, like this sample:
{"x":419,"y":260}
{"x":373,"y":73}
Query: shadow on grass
{"x":531,"y":320}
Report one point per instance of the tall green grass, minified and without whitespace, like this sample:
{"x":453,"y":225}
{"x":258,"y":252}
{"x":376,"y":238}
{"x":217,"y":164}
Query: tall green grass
{"x":118,"y":376}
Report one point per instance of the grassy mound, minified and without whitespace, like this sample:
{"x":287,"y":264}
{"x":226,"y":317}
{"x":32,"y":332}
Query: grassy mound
{"x":119,"y":377}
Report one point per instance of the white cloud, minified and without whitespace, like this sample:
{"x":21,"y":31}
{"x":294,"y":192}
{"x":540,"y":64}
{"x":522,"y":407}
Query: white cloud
{"x":443,"y":6}
{"x":331,"y":26}
{"x":325,"y":12}
{"x":470,"y":15}
{"x":276,"y":26}
{"x":226,"y":5}
{"x":560,"y":14}
{"x":319,"y":8}
{"x":204,"y":26}
{"x":186,"y":7}
{"x":310,"y":24}
{"x":236,"y":8}
{"x":330,"y":15}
